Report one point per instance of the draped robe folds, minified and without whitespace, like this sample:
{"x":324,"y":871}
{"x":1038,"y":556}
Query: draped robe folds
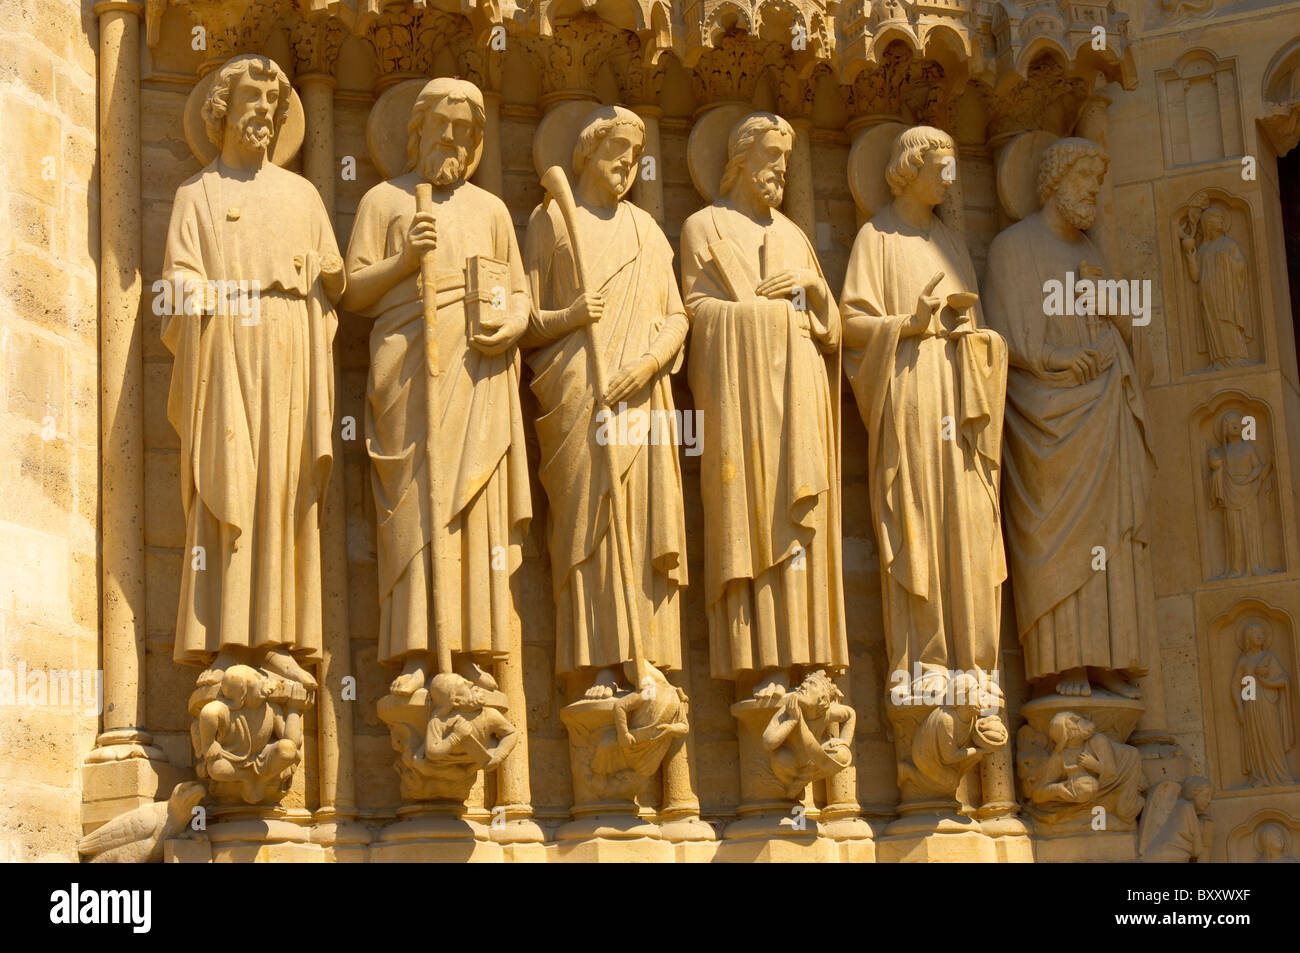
{"x":1267,"y":731}
{"x":635,"y":275}
{"x":478,"y":434}
{"x":1076,"y":469}
{"x":252,"y":398}
{"x":1221,"y":293}
{"x":934,"y":500}
{"x":770,"y":469}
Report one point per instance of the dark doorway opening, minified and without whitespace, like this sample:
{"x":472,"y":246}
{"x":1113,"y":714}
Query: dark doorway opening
{"x":1288,"y":179}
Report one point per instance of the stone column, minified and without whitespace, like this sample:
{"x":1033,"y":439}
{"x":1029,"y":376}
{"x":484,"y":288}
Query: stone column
{"x":318,"y":166}
{"x":124,"y":770}
{"x":334,"y":714}
{"x":489,"y":174}
{"x":841,"y":819}
{"x":649,"y":193}
{"x":800,"y":201}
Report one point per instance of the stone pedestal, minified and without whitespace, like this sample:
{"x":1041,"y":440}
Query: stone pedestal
{"x":343,"y":839}
{"x":1063,"y":796}
{"x":435,"y":832}
{"x":112,"y":785}
{"x":770,"y":826}
{"x":260,"y":835}
{"x":609,"y":774}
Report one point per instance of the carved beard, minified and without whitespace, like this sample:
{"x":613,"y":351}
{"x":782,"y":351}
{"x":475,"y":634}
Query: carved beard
{"x":442,"y":165}
{"x":771,"y":186}
{"x":1080,"y":212}
{"x":256,"y":132}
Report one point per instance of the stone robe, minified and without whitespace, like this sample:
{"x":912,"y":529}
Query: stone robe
{"x":252,"y":397}
{"x":1076,"y":469}
{"x":478,"y":435}
{"x":1221,"y":292}
{"x":769,"y":473}
{"x":934,"y":500}
{"x":643,"y":314}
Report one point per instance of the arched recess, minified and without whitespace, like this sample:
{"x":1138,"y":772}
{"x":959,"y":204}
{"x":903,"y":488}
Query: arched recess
{"x":1240,"y":519}
{"x":1236,"y":672}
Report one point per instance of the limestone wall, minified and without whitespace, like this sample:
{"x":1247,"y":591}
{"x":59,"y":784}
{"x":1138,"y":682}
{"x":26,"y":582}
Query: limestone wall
{"x":1178,"y":138}
{"x":49,"y":419}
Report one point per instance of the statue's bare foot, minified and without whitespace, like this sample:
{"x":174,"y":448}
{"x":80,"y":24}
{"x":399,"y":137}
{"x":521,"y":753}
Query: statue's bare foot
{"x":1116,"y":684}
{"x":603,"y":686}
{"x":469,"y":670}
{"x":771,"y":687}
{"x":411,"y":680}
{"x":280,"y":662}
{"x":1074,"y":682}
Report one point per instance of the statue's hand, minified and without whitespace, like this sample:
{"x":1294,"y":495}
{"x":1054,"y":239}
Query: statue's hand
{"x":786,"y":284}
{"x":497,"y":340}
{"x":928,"y":305}
{"x":630,"y":379}
{"x":331,"y":265}
{"x":422,"y":236}
{"x":1086,"y":362}
{"x":587,"y":308}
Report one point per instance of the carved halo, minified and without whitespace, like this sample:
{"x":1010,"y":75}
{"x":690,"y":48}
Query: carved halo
{"x":1018,"y":173}
{"x":868,"y":160}
{"x":386,"y":129}
{"x":706,"y":149}
{"x":557,"y":134}
{"x":288,"y":138}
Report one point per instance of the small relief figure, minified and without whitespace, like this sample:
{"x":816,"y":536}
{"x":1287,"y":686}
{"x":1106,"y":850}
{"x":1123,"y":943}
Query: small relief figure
{"x":1273,"y":842}
{"x":1261,"y":691}
{"x":952,"y":740}
{"x":1238,"y":477}
{"x":1176,"y":826}
{"x":644,"y":725}
{"x":810,"y":734}
{"x":247,"y":731}
{"x":1218,"y":268}
{"x":1076,"y":768}
{"x":466,"y":726}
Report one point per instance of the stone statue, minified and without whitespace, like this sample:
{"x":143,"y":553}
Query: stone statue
{"x":458,"y":729}
{"x":1075,"y":768}
{"x":1261,"y":696}
{"x":762,"y":317}
{"x":931,"y":386}
{"x":444,"y":428}
{"x":1218,"y":268}
{"x":252,"y":390}
{"x":621,"y":741}
{"x":1176,"y":826}
{"x":1077,"y":461}
{"x":632,"y":315}
{"x":139,"y":835}
{"x":247,"y":732}
{"x":950,"y":740}
{"x":810,"y":735}
{"x":1273,"y":842}
{"x":607,"y":329}
{"x":1238,"y":476}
